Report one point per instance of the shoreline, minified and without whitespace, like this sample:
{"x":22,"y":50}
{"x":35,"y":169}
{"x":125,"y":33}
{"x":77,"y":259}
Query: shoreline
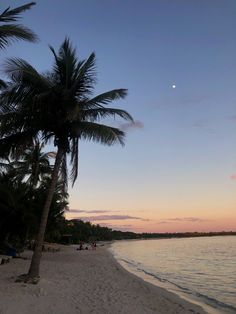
{"x":84,"y":282}
{"x":205,"y":308}
{"x":208,"y":304}
{"x":155,"y":282}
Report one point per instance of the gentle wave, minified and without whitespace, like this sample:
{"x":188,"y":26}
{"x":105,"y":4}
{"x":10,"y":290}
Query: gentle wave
{"x":157,"y":261}
{"x":211,"y":301}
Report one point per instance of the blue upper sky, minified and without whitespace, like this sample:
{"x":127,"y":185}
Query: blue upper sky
{"x":179,"y":158}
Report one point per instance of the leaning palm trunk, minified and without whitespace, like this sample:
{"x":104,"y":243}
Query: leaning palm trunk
{"x":33,"y":274}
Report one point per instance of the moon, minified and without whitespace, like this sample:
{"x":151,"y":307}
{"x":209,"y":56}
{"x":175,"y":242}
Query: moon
{"x":173,"y":86}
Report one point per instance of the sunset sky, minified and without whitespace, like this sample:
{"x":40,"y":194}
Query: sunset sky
{"x":177,"y":171}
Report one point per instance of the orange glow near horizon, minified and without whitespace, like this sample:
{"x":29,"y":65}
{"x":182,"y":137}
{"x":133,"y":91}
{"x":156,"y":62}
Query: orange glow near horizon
{"x":169,"y":207}
{"x":159,"y":221}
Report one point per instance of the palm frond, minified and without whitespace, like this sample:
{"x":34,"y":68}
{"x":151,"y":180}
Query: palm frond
{"x":93,"y":108}
{"x":26,"y":83}
{"x":65,"y":63}
{"x":57,"y":66}
{"x":15,"y":144}
{"x":101,"y":133}
{"x":85,"y":78}
{"x":10,"y":33}
{"x":13,"y":14}
{"x":105,"y":98}
{"x":10,"y":122}
{"x":21,"y":72}
{"x":32,"y":165}
{"x":101,"y":113}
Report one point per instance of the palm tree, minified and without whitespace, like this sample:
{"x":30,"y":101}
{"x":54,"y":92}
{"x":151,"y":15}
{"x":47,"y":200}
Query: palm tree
{"x":10,"y":31}
{"x":34,"y":168}
{"x":57,"y":106}
{"x":33,"y":165}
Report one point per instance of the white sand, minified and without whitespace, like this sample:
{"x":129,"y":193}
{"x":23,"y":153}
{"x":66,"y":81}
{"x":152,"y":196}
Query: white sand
{"x":84,"y":282}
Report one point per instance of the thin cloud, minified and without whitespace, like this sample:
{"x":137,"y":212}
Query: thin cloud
{"x":203,"y":125}
{"x":109,"y":217}
{"x":233,"y":117}
{"x":233,"y":177}
{"x":200,"y":124}
{"x":120,"y":227}
{"x":184,"y":219}
{"x":89,"y":211}
{"x":185,"y":101}
{"x":131,"y":126}
{"x":115,"y":226}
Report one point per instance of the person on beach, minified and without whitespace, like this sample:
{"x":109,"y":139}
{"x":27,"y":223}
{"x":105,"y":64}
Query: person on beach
{"x":80,"y":248}
{"x":93,"y":245}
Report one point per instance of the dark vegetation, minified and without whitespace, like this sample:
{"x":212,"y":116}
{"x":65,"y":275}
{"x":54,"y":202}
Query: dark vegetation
{"x":77,"y":230}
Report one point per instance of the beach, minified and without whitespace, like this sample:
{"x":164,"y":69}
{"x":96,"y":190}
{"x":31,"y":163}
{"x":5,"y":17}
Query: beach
{"x":89,"y":281}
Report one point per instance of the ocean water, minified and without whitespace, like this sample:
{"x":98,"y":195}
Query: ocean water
{"x":200,"y":269}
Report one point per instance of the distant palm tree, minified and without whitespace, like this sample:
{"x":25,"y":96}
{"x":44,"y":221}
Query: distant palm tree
{"x":59,"y":107}
{"x":28,"y":171}
{"x":33,"y":165}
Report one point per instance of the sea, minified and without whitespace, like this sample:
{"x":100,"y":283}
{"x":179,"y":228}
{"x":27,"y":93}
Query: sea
{"x":201,"y":270}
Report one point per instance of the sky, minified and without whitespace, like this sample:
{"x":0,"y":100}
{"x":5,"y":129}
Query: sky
{"x":177,"y":171}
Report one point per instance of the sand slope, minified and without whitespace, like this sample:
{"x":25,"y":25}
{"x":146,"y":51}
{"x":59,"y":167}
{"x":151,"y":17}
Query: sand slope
{"x":83,"y":282}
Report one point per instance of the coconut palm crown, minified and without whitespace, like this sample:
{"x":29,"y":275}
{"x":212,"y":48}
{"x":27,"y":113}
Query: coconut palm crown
{"x":58,"y":106}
